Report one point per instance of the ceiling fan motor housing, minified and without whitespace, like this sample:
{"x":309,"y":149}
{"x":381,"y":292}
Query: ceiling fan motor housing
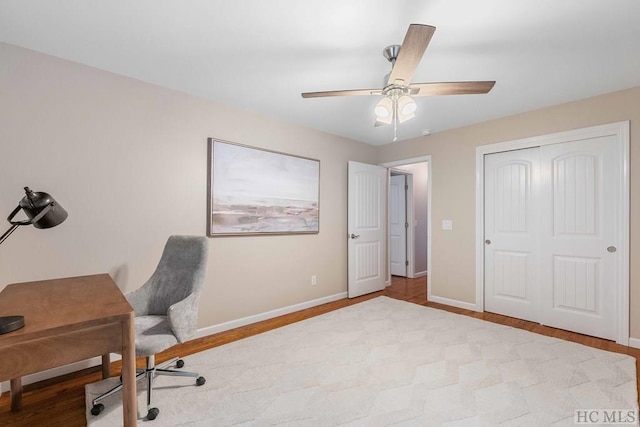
{"x":391,"y":53}
{"x":395,"y":91}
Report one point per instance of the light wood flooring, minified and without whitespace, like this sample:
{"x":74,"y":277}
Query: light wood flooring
{"x":60,"y":401}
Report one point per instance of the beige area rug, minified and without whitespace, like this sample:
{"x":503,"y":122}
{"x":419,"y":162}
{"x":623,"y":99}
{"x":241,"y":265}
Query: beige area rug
{"x":388,"y":362}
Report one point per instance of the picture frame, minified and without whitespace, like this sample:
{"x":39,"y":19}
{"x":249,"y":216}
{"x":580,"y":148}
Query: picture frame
{"x":254,"y":191}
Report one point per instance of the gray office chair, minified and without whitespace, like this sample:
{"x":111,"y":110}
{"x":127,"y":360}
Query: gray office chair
{"x":166,"y":311}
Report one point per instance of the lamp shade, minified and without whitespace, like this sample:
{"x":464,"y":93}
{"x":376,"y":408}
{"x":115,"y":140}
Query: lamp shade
{"x":384,"y":108}
{"x":384,"y":111}
{"x":35,"y":203}
{"x":406,"y":108}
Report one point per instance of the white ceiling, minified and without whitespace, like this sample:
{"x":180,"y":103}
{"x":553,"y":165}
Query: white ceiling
{"x":260,"y":55}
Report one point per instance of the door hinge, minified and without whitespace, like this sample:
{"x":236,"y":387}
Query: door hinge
{"x":406,"y":263}
{"x":406,"y":187}
{"x":406,"y":225}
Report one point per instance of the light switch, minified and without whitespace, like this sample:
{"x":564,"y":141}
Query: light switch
{"x":447,"y":224}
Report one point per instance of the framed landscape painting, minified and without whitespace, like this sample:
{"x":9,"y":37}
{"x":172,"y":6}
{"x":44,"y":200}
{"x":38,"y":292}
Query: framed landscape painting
{"x":253,"y":191}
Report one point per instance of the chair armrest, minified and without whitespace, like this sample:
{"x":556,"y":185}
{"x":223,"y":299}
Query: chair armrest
{"x":183,"y":317}
{"x":139,"y":300}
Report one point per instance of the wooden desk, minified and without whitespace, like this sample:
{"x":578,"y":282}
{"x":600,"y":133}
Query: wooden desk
{"x":67,"y":320}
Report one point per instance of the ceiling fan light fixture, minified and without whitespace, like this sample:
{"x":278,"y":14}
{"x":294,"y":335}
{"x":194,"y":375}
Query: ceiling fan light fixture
{"x":382,"y":112}
{"x":404,"y":117}
{"x":406,"y":108}
{"x":384,"y":109}
{"x":406,"y":105}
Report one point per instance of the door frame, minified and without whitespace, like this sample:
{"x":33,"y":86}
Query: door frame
{"x":410,"y":219}
{"x":621,"y":132}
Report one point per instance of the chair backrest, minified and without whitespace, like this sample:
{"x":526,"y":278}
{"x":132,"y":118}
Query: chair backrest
{"x":180,"y":272}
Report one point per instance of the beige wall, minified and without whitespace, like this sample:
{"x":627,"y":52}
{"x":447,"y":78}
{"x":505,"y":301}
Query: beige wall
{"x":453,"y":183}
{"x":128,"y":160}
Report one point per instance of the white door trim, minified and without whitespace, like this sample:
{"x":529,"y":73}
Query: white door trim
{"x":621,"y":131}
{"x":411,"y":247}
{"x":421,"y":159}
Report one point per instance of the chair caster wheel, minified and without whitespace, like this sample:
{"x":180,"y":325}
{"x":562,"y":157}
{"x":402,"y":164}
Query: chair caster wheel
{"x":96,"y":409}
{"x":179,"y":363}
{"x":152,"y":414}
{"x":200,"y":381}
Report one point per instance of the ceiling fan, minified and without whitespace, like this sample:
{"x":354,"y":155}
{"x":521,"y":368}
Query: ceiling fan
{"x":397,"y":105}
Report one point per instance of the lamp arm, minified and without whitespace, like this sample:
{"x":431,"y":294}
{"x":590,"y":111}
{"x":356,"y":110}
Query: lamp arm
{"x":9,"y":231}
{"x":16,"y":224}
{"x":13,"y":213}
{"x":33,"y":220}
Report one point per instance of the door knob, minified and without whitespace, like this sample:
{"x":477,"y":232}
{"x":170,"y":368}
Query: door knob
{"x":354,"y":236}
{"x":488,"y":242}
{"x":612,"y":249}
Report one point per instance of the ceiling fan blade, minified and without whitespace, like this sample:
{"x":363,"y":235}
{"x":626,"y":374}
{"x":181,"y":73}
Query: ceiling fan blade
{"x":452,"y":88}
{"x":342,"y":93}
{"x":413,"y":47}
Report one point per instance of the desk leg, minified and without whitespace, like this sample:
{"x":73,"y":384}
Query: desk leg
{"x":129,"y":400}
{"x":106,"y":366}
{"x":16,"y":394}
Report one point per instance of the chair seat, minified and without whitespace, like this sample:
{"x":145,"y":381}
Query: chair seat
{"x":153,"y":335}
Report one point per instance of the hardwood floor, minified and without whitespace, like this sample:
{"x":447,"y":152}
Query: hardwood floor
{"x":60,"y":401}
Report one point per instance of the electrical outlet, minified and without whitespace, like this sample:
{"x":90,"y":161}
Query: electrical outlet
{"x":314,"y":280}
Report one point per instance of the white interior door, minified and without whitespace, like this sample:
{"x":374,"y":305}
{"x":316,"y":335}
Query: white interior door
{"x":512,"y":233}
{"x":398,"y":225}
{"x":579,"y":204}
{"x":366,"y":228}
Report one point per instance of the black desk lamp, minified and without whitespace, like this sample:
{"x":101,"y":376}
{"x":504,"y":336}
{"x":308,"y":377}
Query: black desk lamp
{"x":43,"y":212}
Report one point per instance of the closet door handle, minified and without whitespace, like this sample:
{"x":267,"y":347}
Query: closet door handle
{"x":354,"y":236}
{"x":488,"y":242}
{"x":612,"y":249}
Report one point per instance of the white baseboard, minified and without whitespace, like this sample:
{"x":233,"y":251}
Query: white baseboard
{"x":453,"y":303}
{"x":419,"y":274}
{"x":634,"y":342}
{"x":221,"y":327}
{"x":209,"y":330}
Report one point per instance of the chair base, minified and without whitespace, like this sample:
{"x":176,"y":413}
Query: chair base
{"x":149,"y":373}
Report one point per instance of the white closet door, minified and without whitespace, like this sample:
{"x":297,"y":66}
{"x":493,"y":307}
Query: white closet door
{"x":512,"y":233}
{"x":579,"y":206}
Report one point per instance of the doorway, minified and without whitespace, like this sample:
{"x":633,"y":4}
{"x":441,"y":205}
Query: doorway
{"x":368,"y":226}
{"x":417,"y":172}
